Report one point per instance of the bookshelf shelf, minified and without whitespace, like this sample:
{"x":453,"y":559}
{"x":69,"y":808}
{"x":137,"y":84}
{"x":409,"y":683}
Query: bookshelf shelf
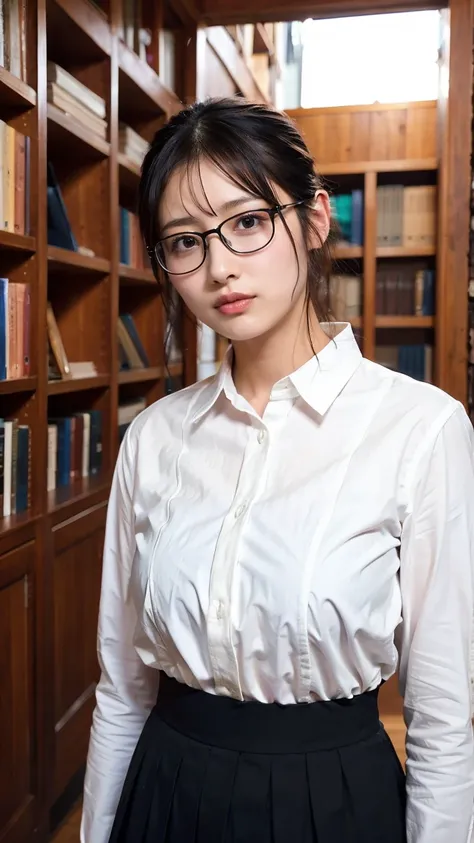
{"x":348,"y":252}
{"x":21,"y":523}
{"x":405,"y":251}
{"x":141,"y":91}
{"x":130,"y":276}
{"x":66,"y":132}
{"x":64,"y":261}
{"x":8,"y":387}
{"x":15,"y":95}
{"x":404,"y":321}
{"x":17,"y":242}
{"x":62,"y":387}
{"x":76,"y":492}
{"x":154,"y":373}
{"x":398,"y":165}
{"x":81,"y":27}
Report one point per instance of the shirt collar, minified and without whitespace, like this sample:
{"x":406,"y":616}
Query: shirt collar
{"x":318,"y":382}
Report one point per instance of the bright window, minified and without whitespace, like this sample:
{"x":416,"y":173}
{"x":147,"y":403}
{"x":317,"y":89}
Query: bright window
{"x":372,"y":58}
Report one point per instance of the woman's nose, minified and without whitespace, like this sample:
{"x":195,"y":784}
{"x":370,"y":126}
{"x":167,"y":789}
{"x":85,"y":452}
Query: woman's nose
{"x":222,"y":263}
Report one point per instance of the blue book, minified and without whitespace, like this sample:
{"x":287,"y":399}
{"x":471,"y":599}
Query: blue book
{"x":357,"y":219}
{"x":124,"y":236}
{"x":64,"y":451}
{"x":429,"y":292}
{"x":22,"y":468}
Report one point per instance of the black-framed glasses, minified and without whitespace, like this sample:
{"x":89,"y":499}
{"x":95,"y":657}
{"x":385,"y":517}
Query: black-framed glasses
{"x":243,"y":234}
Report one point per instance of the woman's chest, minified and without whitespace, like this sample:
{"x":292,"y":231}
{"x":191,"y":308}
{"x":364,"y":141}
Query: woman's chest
{"x":267,"y":514}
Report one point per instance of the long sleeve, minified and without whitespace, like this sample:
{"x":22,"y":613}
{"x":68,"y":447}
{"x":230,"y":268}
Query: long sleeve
{"x":127,"y":688}
{"x":437,"y":561}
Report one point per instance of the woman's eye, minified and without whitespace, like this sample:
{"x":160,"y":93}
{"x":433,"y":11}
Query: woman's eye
{"x":248,"y":221}
{"x":184,"y":243}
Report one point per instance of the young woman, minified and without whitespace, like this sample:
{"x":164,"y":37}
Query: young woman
{"x":280,"y":539}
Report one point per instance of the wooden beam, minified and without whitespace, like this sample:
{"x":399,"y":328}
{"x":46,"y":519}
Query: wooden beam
{"x":454,"y":200}
{"x":223,"y":12}
{"x":226,"y":51}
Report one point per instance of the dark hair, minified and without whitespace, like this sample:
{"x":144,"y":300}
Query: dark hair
{"x":255,"y":145}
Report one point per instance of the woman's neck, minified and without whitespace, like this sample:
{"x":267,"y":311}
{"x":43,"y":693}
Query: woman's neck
{"x":263,"y":361}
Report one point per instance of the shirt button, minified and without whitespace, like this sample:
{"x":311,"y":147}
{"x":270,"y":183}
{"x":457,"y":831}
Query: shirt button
{"x":240,"y":510}
{"x":261,"y":436}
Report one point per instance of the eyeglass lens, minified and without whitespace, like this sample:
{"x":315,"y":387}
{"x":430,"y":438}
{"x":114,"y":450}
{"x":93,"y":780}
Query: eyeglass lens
{"x":185,"y":251}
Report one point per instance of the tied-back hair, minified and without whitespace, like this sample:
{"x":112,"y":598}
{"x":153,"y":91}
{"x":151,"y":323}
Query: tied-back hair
{"x":256,"y":146}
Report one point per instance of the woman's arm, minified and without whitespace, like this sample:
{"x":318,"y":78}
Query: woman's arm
{"x":437,"y":582}
{"x":127,"y":688}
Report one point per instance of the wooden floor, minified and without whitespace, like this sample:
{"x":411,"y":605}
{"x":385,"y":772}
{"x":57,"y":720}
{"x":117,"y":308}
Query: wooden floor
{"x":69,"y":830}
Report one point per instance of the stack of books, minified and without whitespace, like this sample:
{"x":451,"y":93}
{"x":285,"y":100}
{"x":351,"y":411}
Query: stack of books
{"x":412,"y":359}
{"x":74,"y":448}
{"x":405,"y":290}
{"x":13,"y":26}
{"x":345,"y":297}
{"x":75,"y":99}
{"x":14,"y":180}
{"x":14,"y":329}
{"x":348,"y":211}
{"x":406,"y":216}
{"x":132,"y":144}
{"x":15,"y":467}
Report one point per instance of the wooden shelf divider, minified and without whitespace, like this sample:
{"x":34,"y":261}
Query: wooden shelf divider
{"x":130,"y":275}
{"x":65,"y":130}
{"x":154,"y":373}
{"x":17,"y":242}
{"x":68,"y":385}
{"x":15,"y":385}
{"x":64,"y":260}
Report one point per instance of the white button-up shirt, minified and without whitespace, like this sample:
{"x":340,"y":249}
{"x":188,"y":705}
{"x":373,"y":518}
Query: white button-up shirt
{"x":298,"y":556}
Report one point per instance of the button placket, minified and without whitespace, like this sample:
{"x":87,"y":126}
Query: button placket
{"x":221,"y":648}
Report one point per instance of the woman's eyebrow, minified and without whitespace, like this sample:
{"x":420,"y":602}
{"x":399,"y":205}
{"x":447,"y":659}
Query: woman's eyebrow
{"x":227,"y":206}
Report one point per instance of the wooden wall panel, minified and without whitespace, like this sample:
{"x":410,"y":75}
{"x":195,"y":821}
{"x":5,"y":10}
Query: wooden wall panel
{"x":77,"y":572}
{"x":369,"y":132}
{"x":18,"y":772}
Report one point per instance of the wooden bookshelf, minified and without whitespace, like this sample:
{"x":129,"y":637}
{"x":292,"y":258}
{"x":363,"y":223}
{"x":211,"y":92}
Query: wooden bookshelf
{"x":379,"y":146}
{"x":50,"y":554}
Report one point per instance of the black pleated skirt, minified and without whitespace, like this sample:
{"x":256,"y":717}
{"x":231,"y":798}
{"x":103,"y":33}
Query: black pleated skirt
{"x":211,"y":769}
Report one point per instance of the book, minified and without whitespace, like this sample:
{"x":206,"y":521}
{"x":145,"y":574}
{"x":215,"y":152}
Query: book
{"x":62,"y":80}
{"x":56,"y":343}
{"x":59,"y":228}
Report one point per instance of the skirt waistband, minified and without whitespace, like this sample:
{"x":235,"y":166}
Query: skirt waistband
{"x":266,"y":727}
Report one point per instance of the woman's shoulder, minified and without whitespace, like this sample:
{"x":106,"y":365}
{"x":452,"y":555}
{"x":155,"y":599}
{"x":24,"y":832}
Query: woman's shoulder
{"x":422,"y":404}
{"x":168,"y":413}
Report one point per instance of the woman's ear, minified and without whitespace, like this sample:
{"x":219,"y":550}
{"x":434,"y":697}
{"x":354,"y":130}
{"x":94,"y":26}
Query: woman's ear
{"x":320,"y":216}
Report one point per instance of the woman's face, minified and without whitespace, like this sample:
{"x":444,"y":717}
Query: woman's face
{"x":270,"y":280}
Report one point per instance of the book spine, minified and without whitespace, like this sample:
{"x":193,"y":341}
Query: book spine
{"x":22,"y":468}
{"x":7,"y":468}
